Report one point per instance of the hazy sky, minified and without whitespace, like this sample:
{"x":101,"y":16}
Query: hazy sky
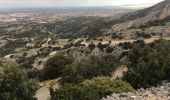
{"x":70,"y":3}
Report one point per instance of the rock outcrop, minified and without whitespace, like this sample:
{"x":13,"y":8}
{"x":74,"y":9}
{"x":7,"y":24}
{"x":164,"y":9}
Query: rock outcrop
{"x":161,"y":92}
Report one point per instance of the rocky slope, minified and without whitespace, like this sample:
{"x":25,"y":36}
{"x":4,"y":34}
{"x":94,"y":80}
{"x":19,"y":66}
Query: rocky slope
{"x":154,"y":19}
{"x":159,"y":11}
{"x":161,"y":92}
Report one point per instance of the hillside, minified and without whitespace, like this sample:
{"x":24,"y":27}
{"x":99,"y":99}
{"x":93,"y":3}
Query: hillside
{"x":154,"y":19}
{"x":85,"y":54}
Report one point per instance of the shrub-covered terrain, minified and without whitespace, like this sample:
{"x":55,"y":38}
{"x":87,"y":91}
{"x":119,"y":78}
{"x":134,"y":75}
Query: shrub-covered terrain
{"x":93,"y":89}
{"x":148,"y":64}
{"x":55,"y":67}
{"x":15,"y":85}
{"x":91,"y":78}
{"x":79,"y":79}
{"x":73,"y":71}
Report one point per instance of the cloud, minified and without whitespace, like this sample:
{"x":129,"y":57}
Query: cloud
{"x":69,"y":3}
{"x":53,"y":3}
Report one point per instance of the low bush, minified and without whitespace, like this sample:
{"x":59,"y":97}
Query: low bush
{"x":93,"y":89}
{"x":90,"y":67}
{"x":55,"y":66}
{"x":109,"y":49}
{"x":148,"y":64}
{"x":126,"y":45}
{"x":142,"y":34}
{"x":91,"y":46}
{"x":15,"y":85}
{"x":102,"y":46}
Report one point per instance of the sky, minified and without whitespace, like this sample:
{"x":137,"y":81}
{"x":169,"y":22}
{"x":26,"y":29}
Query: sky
{"x":70,"y":3}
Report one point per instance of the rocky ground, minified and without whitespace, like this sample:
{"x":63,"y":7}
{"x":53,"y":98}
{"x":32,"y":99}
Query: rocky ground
{"x":161,"y":92}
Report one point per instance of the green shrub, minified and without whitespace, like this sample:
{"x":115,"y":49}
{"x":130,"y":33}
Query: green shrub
{"x":116,"y":36}
{"x":106,"y":86}
{"x":34,"y":74}
{"x":68,"y":45}
{"x":149,"y":64}
{"x":142,"y":34}
{"x":102,"y":46}
{"x":93,"y":89}
{"x":109,"y":49}
{"x":126,"y":45}
{"x":90,"y":67}
{"x":15,"y":85}
{"x":55,"y":66}
{"x":92,"y":46}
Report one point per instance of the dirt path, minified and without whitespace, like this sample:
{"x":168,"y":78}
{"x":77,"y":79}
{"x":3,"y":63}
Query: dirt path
{"x":43,"y":93}
{"x":119,"y":72}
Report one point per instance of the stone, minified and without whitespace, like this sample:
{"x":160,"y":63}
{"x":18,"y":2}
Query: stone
{"x":162,"y":87}
{"x":133,"y":97}
{"x":141,"y":89}
{"x":161,"y":92}
{"x":146,"y":93}
{"x":123,"y":95}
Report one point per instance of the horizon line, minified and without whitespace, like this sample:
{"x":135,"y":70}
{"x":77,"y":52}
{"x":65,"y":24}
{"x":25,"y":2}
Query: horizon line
{"x":148,"y":4}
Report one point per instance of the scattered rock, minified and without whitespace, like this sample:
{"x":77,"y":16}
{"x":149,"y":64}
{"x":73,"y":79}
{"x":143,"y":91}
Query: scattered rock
{"x":123,"y":95}
{"x":161,"y":92}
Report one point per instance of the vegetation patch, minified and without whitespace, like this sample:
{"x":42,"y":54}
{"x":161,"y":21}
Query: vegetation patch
{"x":15,"y":85}
{"x":93,"y":89}
{"x":149,"y":64}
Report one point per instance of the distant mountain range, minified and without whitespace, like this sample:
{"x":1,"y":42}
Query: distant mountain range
{"x":152,"y":19}
{"x":137,"y":6}
{"x":159,"y":13}
{"x":64,"y":10}
{"x":75,"y":9}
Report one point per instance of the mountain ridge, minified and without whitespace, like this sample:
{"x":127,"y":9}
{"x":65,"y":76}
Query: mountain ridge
{"x":155,"y":14}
